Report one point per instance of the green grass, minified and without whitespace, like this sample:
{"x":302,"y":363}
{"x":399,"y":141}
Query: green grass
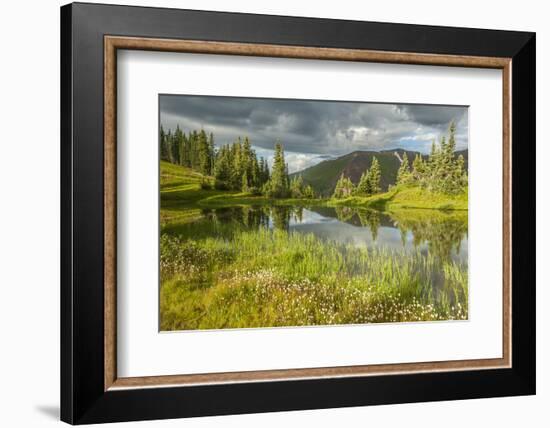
{"x":406,"y":197}
{"x":218,"y":274}
{"x":269,"y":278}
{"x":181,"y":187}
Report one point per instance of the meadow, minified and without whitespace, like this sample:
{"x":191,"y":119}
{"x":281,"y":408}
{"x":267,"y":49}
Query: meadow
{"x":231,"y":259}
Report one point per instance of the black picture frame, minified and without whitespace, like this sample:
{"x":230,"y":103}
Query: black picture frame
{"x":83,"y":399}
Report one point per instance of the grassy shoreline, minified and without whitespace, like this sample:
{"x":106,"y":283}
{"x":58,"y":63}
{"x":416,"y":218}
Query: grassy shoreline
{"x":183,"y":187}
{"x":267,"y":278}
{"x":216,"y":275}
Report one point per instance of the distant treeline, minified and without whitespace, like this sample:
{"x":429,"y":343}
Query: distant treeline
{"x":234,"y":166}
{"x":441,"y":172}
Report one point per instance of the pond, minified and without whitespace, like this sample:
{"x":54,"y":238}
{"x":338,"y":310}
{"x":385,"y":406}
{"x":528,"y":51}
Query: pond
{"x":442,"y":234}
{"x":259,"y":266}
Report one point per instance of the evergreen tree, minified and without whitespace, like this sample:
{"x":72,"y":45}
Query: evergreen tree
{"x":246,"y":160}
{"x":245,"y":187}
{"x":443,"y":171}
{"x":364,"y":185}
{"x":211,"y":153}
{"x":278,"y":185}
{"x":164,"y":146}
{"x":184,"y":150}
{"x":460,"y":177}
{"x":193,"y":151}
{"x":375,"y":175}
{"x":222,"y":170}
{"x":404,"y":172}
{"x":418,"y":168}
{"x":308,"y":192}
{"x":176,"y":140}
{"x":203,"y":150}
{"x":344,"y":188}
{"x":297,"y":187}
{"x":236,"y":171}
{"x":255,"y":172}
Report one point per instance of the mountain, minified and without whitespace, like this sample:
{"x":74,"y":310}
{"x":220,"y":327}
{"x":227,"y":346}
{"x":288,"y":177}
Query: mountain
{"x":323,"y":176}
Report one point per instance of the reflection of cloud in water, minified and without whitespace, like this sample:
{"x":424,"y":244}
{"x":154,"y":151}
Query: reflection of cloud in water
{"x":361,"y":236}
{"x":349,"y":234}
{"x":311,"y":217}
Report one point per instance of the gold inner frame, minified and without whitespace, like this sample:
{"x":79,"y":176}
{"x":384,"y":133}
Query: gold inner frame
{"x":113,"y":43}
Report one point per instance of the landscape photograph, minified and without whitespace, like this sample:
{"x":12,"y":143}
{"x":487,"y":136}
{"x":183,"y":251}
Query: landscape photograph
{"x":289,"y":212}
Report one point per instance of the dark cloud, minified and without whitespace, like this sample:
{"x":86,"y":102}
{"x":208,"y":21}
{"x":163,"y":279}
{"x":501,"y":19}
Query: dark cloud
{"x":315,"y":128}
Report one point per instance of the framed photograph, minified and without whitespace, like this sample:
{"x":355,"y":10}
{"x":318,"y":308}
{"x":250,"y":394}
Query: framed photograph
{"x":266,"y":213}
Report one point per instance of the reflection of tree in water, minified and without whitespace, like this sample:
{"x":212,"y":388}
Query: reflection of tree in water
{"x":360,"y":217}
{"x":403,"y":233}
{"x":370,"y":219}
{"x":442,"y":233}
{"x":255,"y":217}
{"x":345,"y":214}
{"x":282,"y":214}
{"x":298,"y":214}
{"x":250,"y":217}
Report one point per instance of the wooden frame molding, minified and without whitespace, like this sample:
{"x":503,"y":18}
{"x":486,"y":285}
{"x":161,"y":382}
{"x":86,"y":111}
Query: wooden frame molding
{"x":113,"y":43}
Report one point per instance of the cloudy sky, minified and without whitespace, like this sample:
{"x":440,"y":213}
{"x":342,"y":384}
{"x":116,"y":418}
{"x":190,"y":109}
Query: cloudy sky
{"x":312,"y":131}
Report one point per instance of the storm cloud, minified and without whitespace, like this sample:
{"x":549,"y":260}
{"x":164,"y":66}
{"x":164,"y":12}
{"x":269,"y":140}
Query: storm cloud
{"x":311,"y":131}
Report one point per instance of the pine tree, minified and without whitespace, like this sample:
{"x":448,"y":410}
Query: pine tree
{"x":309,"y":193}
{"x":344,"y":188}
{"x":404,"y":171}
{"x":237,"y":170}
{"x":184,"y":151}
{"x":375,"y":175}
{"x":194,"y":161}
{"x":203,"y":153}
{"x":338,"y":188}
{"x":297,"y":187}
{"x":364,"y":185}
{"x":460,"y":177}
{"x":246,"y":162}
{"x":211,"y":153}
{"x":418,"y":169}
{"x":164,"y":147}
{"x":255,"y":178}
{"x":443,"y":171}
{"x":222,"y":169}
{"x":244,"y":183}
{"x":176,"y":145}
{"x":278,"y":186}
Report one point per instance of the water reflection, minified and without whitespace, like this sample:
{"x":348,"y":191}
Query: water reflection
{"x":442,"y":234}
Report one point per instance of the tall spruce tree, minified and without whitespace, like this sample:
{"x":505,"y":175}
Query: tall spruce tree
{"x":177,"y":145}
{"x":278,"y":185}
{"x":404,"y":171}
{"x":375,"y":175}
{"x":203,"y":153}
{"x":297,"y":187}
{"x":222,"y":169}
{"x":364,"y":185}
{"x":344,"y":188}
{"x":164,"y":147}
{"x":418,"y":169}
{"x":211,"y":152}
